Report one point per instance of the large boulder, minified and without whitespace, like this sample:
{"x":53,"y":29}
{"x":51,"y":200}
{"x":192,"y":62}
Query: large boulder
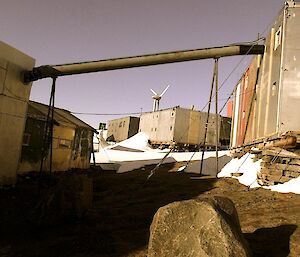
{"x":203,"y":227}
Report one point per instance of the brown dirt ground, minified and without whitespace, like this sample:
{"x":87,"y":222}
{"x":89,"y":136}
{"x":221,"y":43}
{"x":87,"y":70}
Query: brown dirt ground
{"x":123,"y":208}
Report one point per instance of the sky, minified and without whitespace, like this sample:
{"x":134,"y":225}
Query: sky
{"x":66,"y":31}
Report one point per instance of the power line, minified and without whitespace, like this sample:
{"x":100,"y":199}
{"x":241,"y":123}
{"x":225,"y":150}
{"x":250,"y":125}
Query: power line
{"x":237,"y":65}
{"x":139,"y":113}
{"x":253,"y":43}
{"x":106,"y":114}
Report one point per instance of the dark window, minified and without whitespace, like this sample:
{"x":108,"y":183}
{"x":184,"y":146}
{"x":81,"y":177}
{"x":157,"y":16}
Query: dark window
{"x":26,"y":139}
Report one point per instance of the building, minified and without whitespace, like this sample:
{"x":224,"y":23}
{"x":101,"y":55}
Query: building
{"x":267,"y":98}
{"x":184,"y":127}
{"x":123,"y":128}
{"x":14,"y":95}
{"x":99,"y":139}
{"x":72,"y":140}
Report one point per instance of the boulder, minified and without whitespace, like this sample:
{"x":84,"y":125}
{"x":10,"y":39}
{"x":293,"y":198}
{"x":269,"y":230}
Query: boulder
{"x":203,"y":227}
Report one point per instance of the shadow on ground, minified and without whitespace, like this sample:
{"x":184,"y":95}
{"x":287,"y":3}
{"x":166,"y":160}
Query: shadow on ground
{"x":271,"y":242}
{"x":123,"y":208}
{"x":118,"y":224}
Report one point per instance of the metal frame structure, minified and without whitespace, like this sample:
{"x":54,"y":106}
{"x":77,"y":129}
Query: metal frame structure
{"x":50,"y":71}
{"x":54,"y":71}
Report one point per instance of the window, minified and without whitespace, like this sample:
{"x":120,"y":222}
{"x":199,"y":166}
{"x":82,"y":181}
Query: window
{"x":102,"y":125}
{"x":26,"y":139}
{"x":120,"y":124}
{"x":171,"y":128}
{"x":277,"y":38}
{"x":64,"y":143}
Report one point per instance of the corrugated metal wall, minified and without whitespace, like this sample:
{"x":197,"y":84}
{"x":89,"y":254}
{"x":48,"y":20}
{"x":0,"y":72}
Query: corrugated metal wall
{"x":159,"y":125}
{"x":289,"y":118}
{"x":247,"y":94}
{"x":182,"y":126}
{"x":277,"y":96}
{"x":118,"y":129}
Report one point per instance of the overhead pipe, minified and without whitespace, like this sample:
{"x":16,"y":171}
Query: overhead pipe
{"x":47,"y":71}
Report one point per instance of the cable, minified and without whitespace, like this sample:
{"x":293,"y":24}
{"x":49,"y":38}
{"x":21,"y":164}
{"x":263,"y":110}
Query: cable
{"x":229,"y":75}
{"x":152,"y":172}
{"x":253,"y":42}
{"x":105,"y":114}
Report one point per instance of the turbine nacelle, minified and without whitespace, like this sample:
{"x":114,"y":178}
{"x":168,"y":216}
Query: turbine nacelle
{"x":156,"y":98}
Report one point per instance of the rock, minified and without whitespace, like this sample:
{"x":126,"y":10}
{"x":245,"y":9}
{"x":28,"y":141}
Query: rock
{"x":203,"y":227}
{"x":69,"y":200}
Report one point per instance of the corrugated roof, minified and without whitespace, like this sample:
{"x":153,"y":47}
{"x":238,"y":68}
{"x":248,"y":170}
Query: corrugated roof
{"x":67,"y":115}
{"x":61,"y":116}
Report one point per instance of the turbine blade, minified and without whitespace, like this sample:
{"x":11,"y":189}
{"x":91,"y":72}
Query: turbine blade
{"x":153,"y":91}
{"x":164,"y":91}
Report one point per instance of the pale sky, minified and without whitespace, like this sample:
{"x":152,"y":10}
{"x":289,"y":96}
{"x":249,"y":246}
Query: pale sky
{"x":65,"y":31}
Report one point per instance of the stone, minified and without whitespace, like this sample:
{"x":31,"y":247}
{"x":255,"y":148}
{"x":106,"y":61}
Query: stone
{"x":203,"y":227}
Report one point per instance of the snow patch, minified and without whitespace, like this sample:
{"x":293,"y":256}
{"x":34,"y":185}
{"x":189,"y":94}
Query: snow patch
{"x":139,"y":153}
{"x":292,"y":186}
{"x":249,"y":170}
{"x":245,"y":166}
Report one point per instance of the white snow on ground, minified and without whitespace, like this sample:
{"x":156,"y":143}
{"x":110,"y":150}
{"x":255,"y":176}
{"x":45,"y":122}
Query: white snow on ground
{"x":186,"y":156}
{"x":249,"y":169}
{"x":123,"y":161}
{"x":138,"y":142}
{"x":292,"y":186}
{"x":246,"y":166}
{"x":128,"y":160}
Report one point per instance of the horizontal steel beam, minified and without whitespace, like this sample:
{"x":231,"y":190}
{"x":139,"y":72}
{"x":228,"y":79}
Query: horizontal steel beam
{"x":47,"y":71}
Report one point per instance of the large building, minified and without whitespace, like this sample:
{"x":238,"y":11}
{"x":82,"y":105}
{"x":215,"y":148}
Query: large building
{"x":14,"y":95}
{"x":267,"y":98}
{"x":122,"y":128}
{"x":184,"y":127}
{"x":72,"y":141}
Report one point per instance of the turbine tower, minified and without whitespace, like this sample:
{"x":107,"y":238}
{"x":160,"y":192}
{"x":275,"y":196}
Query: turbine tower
{"x":156,"y":98}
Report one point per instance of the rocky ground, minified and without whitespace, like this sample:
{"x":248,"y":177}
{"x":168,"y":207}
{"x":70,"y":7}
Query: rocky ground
{"x":123,"y":208}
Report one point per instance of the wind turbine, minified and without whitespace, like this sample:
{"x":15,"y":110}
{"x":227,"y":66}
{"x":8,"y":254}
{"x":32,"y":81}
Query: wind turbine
{"x":156,"y":98}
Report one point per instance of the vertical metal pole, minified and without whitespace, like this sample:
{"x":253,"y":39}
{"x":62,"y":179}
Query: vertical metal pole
{"x":217,"y":115}
{"x":52,"y":122}
{"x":207,"y":119}
{"x":93,"y":151}
{"x":48,"y":133}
